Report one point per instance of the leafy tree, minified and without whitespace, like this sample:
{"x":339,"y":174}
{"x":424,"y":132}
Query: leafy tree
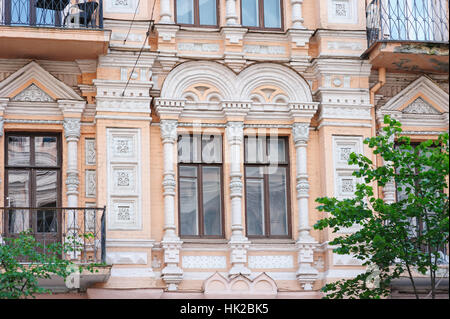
{"x":23,"y":261}
{"x":394,"y":239}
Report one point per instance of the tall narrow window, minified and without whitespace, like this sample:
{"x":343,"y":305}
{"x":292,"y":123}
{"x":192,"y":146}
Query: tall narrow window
{"x":267,"y":187}
{"x":33,"y":179}
{"x":261,"y":14}
{"x":200,"y":185}
{"x":197,"y":12}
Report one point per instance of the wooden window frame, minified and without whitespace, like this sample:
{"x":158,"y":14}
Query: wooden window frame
{"x":261,"y":17}
{"x":31,"y":168}
{"x":197,"y":16}
{"x":200,"y":218}
{"x":265,"y":178}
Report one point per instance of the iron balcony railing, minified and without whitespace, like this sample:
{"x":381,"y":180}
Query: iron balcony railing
{"x":81,"y":230}
{"x":407,"y":20}
{"x":52,"y":13}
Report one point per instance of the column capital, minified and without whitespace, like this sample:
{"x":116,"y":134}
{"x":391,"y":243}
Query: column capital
{"x":72,"y":128}
{"x":169,"y":131}
{"x":300,"y":132}
{"x":235,"y":132}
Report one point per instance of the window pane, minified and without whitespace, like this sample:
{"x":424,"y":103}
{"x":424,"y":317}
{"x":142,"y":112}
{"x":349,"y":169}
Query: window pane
{"x":188,"y":201}
{"x":272,"y":17}
{"x":255,"y":207}
{"x":255,"y":149}
{"x":252,"y":171}
{"x":208,"y":13}
{"x":185,"y":11}
{"x":46,"y":188}
{"x":212,"y":201}
{"x":46,"y":151}
{"x":211,"y":148}
{"x":18,"y":196}
{"x":250,"y":13}
{"x":184,"y":149}
{"x":277,"y":150}
{"x":18,"y":150}
{"x":278,"y":202}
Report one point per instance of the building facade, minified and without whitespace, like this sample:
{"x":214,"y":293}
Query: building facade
{"x":191,"y":137}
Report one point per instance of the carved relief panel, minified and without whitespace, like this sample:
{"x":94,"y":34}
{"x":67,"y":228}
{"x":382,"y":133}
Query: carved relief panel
{"x":124,"y":194}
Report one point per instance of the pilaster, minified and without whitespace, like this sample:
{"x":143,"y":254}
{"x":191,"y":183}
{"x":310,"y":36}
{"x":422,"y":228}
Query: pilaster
{"x":306,"y":273}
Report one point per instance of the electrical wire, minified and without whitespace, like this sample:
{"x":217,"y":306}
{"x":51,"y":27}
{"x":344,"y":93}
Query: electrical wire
{"x":150,"y":29}
{"x":132,"y":21}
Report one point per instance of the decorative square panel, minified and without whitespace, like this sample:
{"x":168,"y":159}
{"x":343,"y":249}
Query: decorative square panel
{"x":347,"y":185}
{"x":120,"y":6}
{"x":124,"y":180}
{"x":124,"y":214}
{"x":342,"y":11}
{"x":344,"y":153}
{"x":123,"y":145}
{"x":343,"y":146}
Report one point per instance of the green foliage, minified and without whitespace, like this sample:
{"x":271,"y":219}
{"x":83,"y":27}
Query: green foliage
{"x":387,"y":240}
{"x":23,"y":261}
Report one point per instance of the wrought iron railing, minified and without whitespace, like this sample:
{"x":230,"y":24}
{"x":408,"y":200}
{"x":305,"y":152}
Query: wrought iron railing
{"x":81,"y":230}
{"x":52,"y":13}
{"x":407,"y":20}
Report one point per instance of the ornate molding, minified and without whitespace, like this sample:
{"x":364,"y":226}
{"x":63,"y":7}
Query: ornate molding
{"x":204,"y":262}
{"x":419,"y":106}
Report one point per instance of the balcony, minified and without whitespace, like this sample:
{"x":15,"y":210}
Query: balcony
{"x":408,"y":35}
{"x":82,"y":230}
{"x":52,"y":29}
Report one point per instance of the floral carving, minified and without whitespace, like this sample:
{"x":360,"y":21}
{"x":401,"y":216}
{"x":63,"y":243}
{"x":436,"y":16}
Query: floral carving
{"x":32,"y":94}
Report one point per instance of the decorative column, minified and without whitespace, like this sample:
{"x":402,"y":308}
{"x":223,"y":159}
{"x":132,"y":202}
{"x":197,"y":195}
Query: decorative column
{"x":231,"y":15}
{"x":72,"y":135}
{"x":165,"y":12}
{"x":306,"y":244}
{"x":297,"y":16}
{"x":172,"y":274}
{"x":238,"y":242}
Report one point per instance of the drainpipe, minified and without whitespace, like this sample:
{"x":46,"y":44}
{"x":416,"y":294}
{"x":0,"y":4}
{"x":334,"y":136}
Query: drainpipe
{"x":376,"y":87}
{"x":373,"y":90}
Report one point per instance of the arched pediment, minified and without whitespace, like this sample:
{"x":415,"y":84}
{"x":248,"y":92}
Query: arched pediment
{"x":190,"y":74}
{"x":238,"y":87}
{"x":276,"y":75}
{"x":422,"y":103}
{"x":32,"y":83}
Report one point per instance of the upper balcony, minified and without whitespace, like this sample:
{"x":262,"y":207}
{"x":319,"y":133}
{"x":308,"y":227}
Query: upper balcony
{"x":408,"y":35}
{"x":52,"y":29}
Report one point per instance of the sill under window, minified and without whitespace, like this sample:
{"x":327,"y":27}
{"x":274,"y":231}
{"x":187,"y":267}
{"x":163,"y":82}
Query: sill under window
{"x":204,"y":240}
{"x":271,"y":241}
{"x":205,"y":28}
